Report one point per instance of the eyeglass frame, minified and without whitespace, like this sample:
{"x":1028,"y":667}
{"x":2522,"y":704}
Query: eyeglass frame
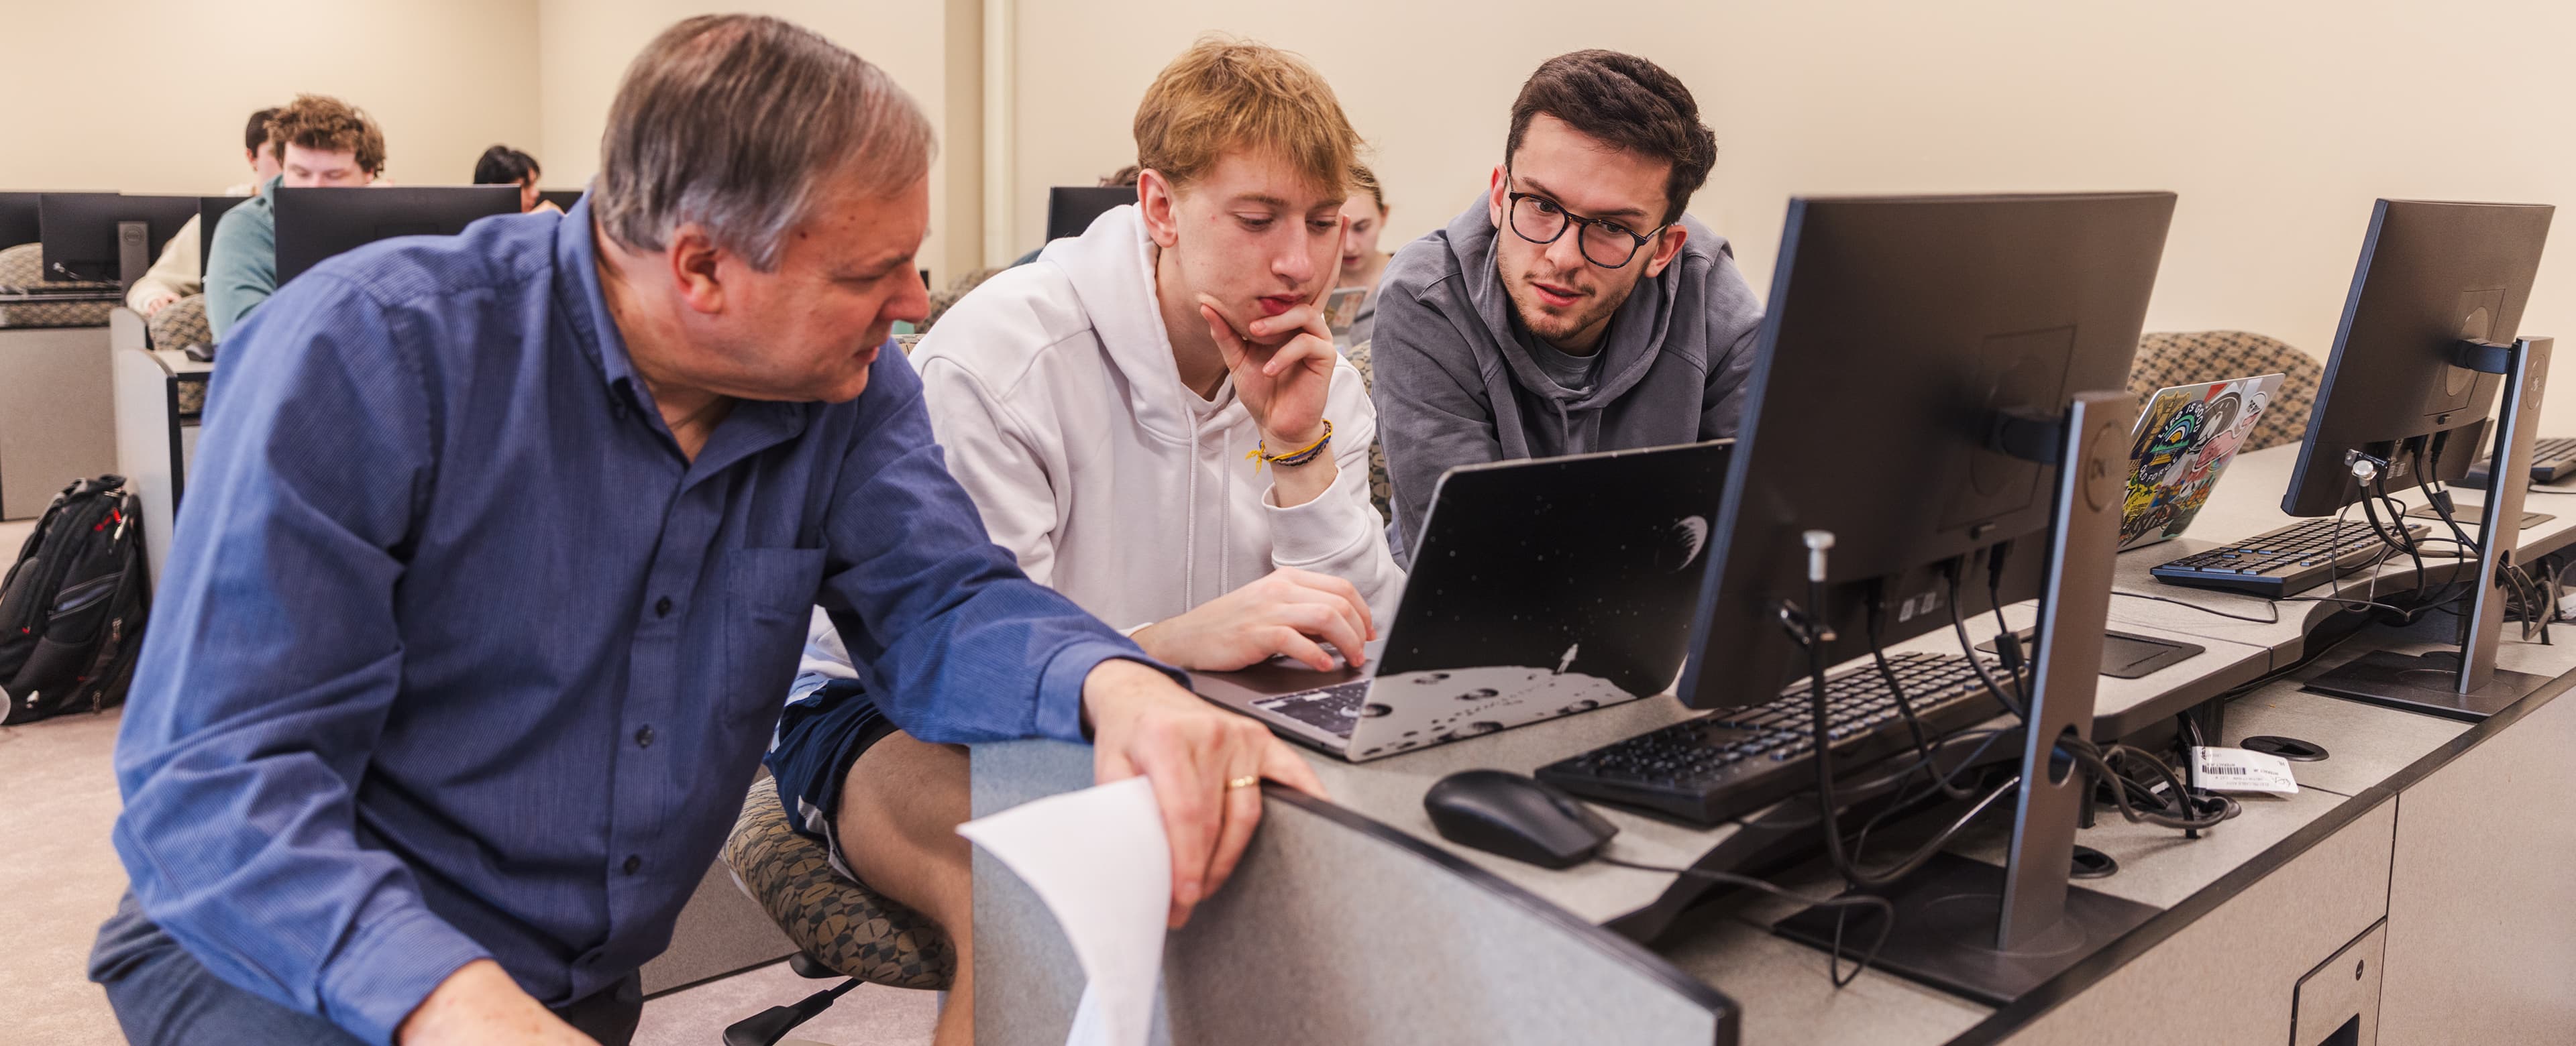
{"x":1511,"y":203}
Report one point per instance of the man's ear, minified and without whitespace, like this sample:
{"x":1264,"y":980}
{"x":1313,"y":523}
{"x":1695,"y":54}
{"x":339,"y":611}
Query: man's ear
{"x":1668,"y":246}
{"x":695,"y":264}
{"x":1160,"y":202}
{"x":1498,"y":196}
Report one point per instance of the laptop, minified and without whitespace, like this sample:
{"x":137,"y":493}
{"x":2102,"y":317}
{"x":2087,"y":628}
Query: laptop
{"x":2184,"y":440}
{"x":1540,"y":588}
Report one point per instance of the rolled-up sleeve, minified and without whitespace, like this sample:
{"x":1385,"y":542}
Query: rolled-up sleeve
{"x":958,"y":645}
{"x":269,"y":666}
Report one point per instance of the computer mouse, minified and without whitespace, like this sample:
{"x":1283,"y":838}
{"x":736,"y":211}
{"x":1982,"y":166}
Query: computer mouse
{"x":1517,"y":816}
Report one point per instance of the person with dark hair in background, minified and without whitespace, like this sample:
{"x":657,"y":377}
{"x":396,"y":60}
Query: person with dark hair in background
{"x":181,"y":269}
{"x":502,"y":165}
{"x":1573,"y":307}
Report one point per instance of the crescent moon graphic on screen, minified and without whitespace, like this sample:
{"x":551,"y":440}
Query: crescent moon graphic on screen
{"x":1693,"y":532}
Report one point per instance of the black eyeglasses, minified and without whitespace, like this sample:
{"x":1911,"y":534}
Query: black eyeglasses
{"x":1605,"y":243}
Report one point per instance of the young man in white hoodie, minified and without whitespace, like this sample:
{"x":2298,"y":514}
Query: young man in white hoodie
{"x":1153,"y":419}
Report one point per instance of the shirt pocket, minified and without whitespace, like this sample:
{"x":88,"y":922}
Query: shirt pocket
{"x":769,"y":598}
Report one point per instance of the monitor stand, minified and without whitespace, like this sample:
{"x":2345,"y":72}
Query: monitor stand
{"x":2465,"y":684}
{"x":1990,"y":933}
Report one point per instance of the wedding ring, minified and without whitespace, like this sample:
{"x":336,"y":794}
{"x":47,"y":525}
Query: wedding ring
{"x":1245,"y":781}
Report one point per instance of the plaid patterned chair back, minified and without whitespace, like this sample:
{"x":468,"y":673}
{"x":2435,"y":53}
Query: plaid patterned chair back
{"x":180,"y":324}
{"x":1381,"y":492}
{"x":837,"y":920}
{"x":22,"y":267}
{"x":2167,"y":359}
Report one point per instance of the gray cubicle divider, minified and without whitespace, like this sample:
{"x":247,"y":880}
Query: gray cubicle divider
{"x":1487,"y":963}
{"x":57,"y":414}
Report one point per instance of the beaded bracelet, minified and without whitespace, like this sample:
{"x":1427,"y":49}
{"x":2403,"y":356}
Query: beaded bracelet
{"x":1294,"y":458}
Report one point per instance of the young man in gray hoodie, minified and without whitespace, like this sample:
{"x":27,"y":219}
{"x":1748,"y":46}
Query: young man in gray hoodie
{"x":1573,"y":307}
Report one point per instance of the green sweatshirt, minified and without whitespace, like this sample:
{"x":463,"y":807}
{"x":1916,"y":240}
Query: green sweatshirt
{"x":241,"y":263}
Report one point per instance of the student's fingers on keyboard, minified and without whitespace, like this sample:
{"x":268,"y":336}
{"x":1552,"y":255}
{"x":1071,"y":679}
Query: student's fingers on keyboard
{"x":1347,"y":592}
{"x":1292,"y":643}
{"x":1334,"y":624}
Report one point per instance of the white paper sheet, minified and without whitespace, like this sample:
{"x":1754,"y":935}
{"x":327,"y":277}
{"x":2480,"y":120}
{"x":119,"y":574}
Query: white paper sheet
{"x":1100,"y":861}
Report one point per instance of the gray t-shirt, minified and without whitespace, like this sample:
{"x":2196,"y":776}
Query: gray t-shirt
{"x":1570,"y":372}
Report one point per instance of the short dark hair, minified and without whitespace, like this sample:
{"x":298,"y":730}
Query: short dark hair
{"x":1628,"y":103}
{"x":256,"y":134}
{"x":502,"y":165}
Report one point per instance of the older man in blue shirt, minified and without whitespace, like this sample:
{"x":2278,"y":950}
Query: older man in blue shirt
{"x":498,"y":554}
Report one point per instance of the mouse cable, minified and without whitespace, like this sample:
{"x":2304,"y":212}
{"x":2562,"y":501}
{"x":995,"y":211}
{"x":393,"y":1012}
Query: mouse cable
{"x":1844,"y":903}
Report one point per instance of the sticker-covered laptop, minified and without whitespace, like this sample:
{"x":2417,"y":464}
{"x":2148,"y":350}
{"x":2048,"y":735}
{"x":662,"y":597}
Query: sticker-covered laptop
{"x":2184,"y":440}
{"x":1540,"y":589}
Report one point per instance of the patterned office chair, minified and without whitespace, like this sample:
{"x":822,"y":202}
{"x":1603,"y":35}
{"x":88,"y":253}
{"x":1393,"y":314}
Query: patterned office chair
{"x":2167,"y":359}
{"x":23,"y":267}
{"x":180,"y":324}
{"x":840,"y":925}
{"x":1381,"y":492}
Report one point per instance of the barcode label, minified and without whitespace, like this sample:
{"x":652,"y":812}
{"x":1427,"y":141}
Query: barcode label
{"x":2237,"y":770}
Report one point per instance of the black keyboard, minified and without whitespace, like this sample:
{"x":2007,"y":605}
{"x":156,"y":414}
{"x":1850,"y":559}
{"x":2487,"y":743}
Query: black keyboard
{"x":2553,"y":458}
{"x":1725,"y":765}
{"x":2283,"y":562}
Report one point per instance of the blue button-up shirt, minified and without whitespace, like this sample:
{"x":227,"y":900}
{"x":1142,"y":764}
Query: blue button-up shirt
{"x":457,"y":655}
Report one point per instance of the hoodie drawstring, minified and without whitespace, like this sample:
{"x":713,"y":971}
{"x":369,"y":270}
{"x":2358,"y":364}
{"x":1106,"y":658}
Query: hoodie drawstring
{"x":1190,"y":510}
{"x":1225,"y":514}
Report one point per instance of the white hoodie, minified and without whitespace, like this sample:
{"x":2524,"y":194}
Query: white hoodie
{"x":1053,"y":391}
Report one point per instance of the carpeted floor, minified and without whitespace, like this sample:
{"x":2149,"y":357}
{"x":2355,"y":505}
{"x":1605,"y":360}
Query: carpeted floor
{"x":59,"y":876}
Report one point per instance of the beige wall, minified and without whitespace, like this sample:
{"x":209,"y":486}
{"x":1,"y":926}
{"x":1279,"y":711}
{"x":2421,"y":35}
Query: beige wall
{"x":150,"y":95}
{"x":2278,"y":123}
{"x":586,"y":45}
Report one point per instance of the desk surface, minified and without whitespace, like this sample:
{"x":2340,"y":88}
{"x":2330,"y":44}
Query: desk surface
{"x":2247,"y":502}
{"x":1780,"y":986}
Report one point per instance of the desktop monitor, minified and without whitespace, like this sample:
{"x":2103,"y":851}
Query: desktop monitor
{"x":2431,"y":276}
{"x":1922,"y":365}
{"x":18,"y":218}
{"x":1901,"y":333}
{"x":314,"y":224}
{"x":210,"y":212}
{"x":80,"y":232}
{"x":1072,"y":208}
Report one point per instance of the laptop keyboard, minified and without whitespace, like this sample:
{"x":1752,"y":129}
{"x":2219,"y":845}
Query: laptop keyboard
{"x":1334,"y":709}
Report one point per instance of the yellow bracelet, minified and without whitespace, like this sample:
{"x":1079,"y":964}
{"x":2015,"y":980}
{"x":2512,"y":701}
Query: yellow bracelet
{"x":1260,"y":452}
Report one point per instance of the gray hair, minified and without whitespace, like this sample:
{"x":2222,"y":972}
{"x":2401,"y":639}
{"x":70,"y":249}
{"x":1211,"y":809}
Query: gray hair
{"x":734,"y":121}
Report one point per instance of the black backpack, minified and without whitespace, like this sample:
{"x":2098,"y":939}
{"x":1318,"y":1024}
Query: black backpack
{"x":72,"y":609}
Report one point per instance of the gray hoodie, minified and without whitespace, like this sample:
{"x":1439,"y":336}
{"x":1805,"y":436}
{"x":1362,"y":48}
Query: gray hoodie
{"x":1455,"y":385}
